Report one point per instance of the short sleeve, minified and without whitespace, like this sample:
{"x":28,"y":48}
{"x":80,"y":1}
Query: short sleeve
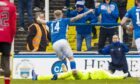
{"x":67,"y":20}
{"x":128,"y":14}
{"x":48,"y":24}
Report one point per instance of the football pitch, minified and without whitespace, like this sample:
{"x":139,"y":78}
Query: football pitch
{"x":124,"y":81}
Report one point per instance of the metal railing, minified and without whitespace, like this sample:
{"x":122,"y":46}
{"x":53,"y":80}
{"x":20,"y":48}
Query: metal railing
{"x":120,"y":30}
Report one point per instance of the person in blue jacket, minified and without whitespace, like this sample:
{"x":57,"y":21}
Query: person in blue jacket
{"x":83,"y":32}
{"x":117,"y":50}
{"x":109,"y":14}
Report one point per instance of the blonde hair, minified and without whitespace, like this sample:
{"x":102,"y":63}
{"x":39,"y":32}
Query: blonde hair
{"x":58,"y":13}
{"x":115,"y":35}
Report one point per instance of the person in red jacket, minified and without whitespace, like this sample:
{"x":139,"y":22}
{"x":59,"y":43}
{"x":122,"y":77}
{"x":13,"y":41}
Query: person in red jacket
{"x":7,"y":33}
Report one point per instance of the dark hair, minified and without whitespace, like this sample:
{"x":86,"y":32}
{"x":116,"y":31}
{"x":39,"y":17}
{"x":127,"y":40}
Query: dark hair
{"x":105,"y":2}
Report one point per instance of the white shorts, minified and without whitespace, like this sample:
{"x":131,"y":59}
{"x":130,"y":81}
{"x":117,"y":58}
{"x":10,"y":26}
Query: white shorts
{"x":62,"y":49}
{"x":138,"y":44}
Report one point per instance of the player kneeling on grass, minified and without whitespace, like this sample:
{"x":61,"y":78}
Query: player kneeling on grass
{"x":117,"y":50}
{"x":79,"y":75}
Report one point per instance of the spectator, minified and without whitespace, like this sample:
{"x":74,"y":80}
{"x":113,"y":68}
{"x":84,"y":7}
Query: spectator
{"x":91,"y":5}
{"x":134,"y":15}
{"x":109,"y":14}
{"x":39,"y":5}
{"x":24,"y":4}
{"x":117,"y":51}
{"x":122,"y":4}
{"x":83,"y":32}
{"x":7,"y":33}
{"x":37,"y":39}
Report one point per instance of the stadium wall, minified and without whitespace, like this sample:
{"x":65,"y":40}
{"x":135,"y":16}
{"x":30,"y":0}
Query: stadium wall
{"x":45,"y":64}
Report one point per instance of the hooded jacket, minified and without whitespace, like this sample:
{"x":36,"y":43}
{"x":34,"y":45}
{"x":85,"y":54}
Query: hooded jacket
{"x":108,"y":17}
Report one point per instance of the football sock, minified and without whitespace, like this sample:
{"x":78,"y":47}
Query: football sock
{"x":7,"y":80}
{"x":72,"y":65}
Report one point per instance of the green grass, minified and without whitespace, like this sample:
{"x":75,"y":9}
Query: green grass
{"x":125,"y":81}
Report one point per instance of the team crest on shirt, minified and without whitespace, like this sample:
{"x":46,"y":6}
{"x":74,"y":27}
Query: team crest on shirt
{"x":103,"y":7}
{"x":112,"y":7}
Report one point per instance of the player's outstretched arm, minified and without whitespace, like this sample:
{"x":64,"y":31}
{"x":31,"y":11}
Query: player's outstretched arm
{"x":128,"y":27}
{"x":124,"y":20}
{"x":80,"y":15}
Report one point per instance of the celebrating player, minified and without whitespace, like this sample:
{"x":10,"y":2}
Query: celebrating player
{"x":134,"y":14}
{"x":58,"y":29}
